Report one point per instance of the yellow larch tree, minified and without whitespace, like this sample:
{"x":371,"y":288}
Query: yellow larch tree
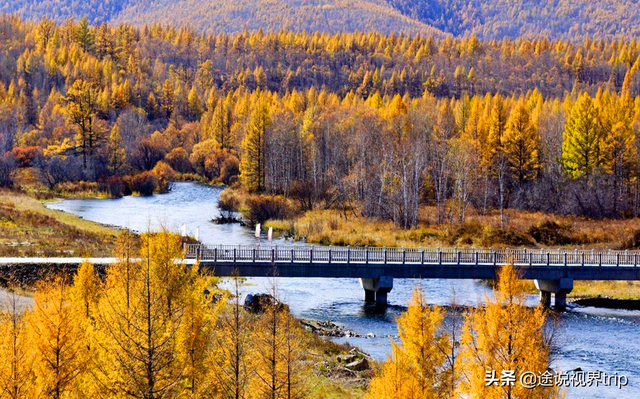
{"x":521,"y":145}
{"x":504,"y":335}
{"x":142,"y":309}
{"x":16,"y":369}
{"x":417,"y":366}
{"x":58,"y":340}
{"x":253,"y":164}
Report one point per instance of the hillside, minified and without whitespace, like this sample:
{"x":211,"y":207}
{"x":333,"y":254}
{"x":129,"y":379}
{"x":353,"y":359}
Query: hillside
{"x":231,"y":15}
{"x":488,"y":19}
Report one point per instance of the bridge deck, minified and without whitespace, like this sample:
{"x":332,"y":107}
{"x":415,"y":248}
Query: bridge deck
{"x":312,"y":261}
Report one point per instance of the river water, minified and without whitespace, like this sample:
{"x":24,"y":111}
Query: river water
{"x":587,"y":338}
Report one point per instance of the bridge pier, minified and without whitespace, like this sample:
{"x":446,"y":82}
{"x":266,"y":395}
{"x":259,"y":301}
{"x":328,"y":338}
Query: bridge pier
{"x":560,"y":288}
{"x":376,"y":289}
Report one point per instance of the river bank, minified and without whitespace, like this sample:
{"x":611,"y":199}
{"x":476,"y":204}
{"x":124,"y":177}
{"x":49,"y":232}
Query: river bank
{"x":29,"y":228}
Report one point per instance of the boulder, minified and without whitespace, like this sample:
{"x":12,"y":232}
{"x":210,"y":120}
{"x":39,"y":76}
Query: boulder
{"x":258,"y":303}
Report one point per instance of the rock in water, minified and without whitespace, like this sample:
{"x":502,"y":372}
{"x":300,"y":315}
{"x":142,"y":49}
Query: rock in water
{"x":258,"y":303}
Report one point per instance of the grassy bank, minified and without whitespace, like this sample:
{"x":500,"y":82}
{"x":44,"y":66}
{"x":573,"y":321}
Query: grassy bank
{"x":28,"y":228}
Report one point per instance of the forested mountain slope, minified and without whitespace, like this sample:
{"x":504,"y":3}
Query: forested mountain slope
{"x":490,"y":19}
{"x":566,"y":19}
{"x":231,"y":15}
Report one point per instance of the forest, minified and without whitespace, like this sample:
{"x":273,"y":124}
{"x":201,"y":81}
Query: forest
{"x":487,"y":19}
{"x":377,"y":125}
{"x":148,"y":328}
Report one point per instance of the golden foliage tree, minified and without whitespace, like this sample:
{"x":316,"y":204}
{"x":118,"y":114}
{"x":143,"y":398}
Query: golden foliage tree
{"x":141,"y":315}
{"x":417,"y":366}
{"x":252,"y":166}
{"x":16,"y":369}
{"x":521,"y":145}
{"x":504,"y":335}
{"x":58,"y":340}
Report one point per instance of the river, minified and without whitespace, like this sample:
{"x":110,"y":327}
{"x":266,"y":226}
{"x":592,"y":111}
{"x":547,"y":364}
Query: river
{"x":587,"y":338}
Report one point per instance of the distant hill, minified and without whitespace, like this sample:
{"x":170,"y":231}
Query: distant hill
{"x":489,"y":19}
{"x":231,"y":15}
{"x":567,"y":19}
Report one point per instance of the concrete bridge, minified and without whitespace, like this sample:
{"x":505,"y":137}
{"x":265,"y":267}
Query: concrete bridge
{"x":552,"y":270}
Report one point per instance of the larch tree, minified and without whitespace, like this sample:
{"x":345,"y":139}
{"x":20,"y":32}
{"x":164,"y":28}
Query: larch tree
{"x":504,"y":335}
{"x":195,"y":345}
{"x":58,"y":340}
{"x":232,"y":342}
{"x":17,"y":376}
{"x":278,"y":354}
{"x":84,"y":295}
{"x":582,"y":152}
{"x":521,"y":145}
{"x":116,"y":154}
{"x":619,"y":147}
{"x":417,"y":366}
{"x":140,"y":319}
{"x":81,"y":114}
{"x":252,"y":165}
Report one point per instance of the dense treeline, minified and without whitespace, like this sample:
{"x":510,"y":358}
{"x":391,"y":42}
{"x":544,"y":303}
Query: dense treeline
{"x":375,"y":124}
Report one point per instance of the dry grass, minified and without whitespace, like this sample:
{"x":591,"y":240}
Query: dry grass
{"x":331,"y":227}
{"x":611,"y":289}
{"x":28,"y":228}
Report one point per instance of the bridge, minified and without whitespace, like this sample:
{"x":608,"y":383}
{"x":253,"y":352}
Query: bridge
{"x":552,"y":270}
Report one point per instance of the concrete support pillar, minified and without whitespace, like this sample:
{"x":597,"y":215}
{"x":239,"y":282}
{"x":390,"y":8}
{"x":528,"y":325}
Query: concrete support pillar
{"x":376,"y":289}
{"x":545,"y":299}
{"x":369,"y":296}
{"x":561,"y":300}
{"x":560,"y":288}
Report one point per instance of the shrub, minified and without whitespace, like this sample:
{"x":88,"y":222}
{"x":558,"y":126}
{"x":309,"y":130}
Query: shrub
{"x":164,"y":176}
{"x":178,"y":159}
{"x":113,"y":185}
{"x":633,"y":242}
{"x":144,"y":183}
{"x":552,"y":233}
{"x":230,"y":170}
{"x":261,"y":208}
{"x":27,"y":156}
{"x":228,"y":204}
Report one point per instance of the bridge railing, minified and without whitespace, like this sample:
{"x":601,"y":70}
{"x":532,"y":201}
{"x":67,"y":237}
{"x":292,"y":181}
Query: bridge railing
{"x":394,"y":255}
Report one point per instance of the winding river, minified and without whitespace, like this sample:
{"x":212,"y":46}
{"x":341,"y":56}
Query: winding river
{"x":587,"y":338}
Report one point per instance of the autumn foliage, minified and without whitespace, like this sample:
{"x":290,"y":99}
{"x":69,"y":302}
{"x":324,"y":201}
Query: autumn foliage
{"x":151,"y":328}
